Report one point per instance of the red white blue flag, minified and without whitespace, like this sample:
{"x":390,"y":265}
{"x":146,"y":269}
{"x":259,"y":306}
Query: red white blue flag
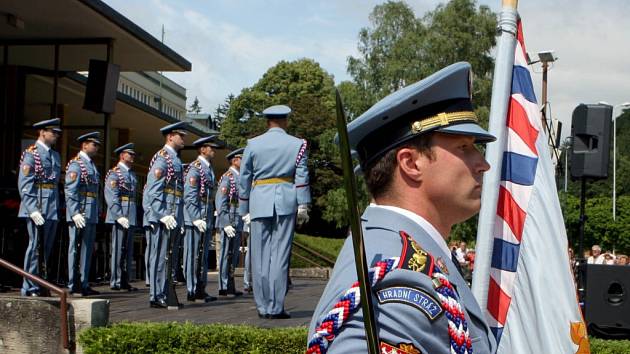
{"x":531,"y":304}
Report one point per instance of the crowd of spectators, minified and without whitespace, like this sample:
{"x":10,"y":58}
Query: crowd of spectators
{"x":595,"y":256}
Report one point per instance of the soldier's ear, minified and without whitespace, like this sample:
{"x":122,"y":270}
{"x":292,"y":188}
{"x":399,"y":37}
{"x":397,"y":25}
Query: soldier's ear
{"x":410,"y":164}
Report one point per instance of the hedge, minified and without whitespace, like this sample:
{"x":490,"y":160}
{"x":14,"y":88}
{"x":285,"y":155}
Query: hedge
{"x":144,"y":337}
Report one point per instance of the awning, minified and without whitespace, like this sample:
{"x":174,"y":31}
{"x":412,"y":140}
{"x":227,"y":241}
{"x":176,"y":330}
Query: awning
{"x":31,"y":28}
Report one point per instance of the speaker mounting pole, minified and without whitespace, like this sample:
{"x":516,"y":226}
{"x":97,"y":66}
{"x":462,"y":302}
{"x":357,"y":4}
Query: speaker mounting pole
{"x":107,"y":117}
{"x":582,"y":217}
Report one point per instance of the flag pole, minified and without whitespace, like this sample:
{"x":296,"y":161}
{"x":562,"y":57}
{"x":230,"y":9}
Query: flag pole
{"x":501,"y":90}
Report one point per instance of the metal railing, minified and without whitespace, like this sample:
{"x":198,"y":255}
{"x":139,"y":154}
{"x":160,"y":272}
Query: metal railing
{"x":62,"y":297}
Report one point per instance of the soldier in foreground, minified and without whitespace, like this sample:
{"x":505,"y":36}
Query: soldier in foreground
{"x":417,"y":149}
{"x":273,"y":187}
{"x":230,"y":224}
{"x":38,"y":180}
{"x":198,"y":218}
{"x":82,"y":192}
{"x":164,"y":208}
{"x":120,"y":196}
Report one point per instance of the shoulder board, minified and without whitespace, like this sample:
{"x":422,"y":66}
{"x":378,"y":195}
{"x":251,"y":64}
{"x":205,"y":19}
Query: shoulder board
{"x":227,"y":173}
{"x":414,"y":258}
{"x":197,"y":163}
{"x":32,"y":148}
{"x":163,"y":153}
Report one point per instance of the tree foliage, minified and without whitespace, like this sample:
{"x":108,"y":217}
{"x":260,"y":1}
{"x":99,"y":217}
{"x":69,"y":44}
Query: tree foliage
{"x":195,"y":107}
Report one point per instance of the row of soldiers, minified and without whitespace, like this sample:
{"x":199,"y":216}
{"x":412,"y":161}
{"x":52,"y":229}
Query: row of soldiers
{"x":38,"y":179}
{"x":268,"y":191}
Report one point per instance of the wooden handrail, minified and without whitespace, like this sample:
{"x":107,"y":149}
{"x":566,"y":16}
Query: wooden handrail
{"x":63,"y":295}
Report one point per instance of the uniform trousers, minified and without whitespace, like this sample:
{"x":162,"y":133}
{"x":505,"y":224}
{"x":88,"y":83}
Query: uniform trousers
{"x":227,"y":244}
{"x":87,"y":235}
{"x":31,"y":256}
{"x":270,"y":245}
{"x":157,"y":260}
{"x":120,"y":235}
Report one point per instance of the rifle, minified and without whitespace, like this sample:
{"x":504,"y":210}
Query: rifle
{"x":371,"y":329}
{"x":200,"y":291}
{"x":76,"y":284}
{"x":171,"y":296}
{"x":124,"y":276}
{"x":41,"y":248}
{"x":231,"y":288}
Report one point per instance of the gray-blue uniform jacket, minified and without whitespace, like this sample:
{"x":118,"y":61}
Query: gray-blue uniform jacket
{"x":274,"y":176}
{"x":226,"y":201}
{"x":199,"y":174}
{"x":82,"y":189}
{"x":159,"y":192}
{"x":407,"y":307}
{"x":120,"y":194}
{"x":39,"y":166}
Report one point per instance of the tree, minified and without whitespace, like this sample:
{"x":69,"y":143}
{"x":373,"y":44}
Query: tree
{"x":399,"y":49}
{"x":221,"y":111}
{"x":195,"y":107}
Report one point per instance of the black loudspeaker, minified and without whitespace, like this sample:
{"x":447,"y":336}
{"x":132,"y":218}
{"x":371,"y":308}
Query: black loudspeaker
{"x":607,"y":300}
{"x":102,"y":84}
{"x":590,"y":130}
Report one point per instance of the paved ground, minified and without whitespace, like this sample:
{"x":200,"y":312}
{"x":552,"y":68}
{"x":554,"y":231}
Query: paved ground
{"x":134,"y":306}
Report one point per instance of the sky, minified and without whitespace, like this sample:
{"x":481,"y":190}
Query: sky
{"x":231,"y":44}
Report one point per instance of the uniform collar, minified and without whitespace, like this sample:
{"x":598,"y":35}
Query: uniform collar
{"x":169,"y":148}
{"x":277,"y":129}
{"x":41,"y":143}
{"x":85,"y":156}
{"x":422,"y":222}
{"x":235,"y":171}
{"x":123,"y":166}
{"x":203,"y":161}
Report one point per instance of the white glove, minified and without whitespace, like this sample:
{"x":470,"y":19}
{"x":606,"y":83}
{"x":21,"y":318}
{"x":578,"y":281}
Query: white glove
{"x":230,"y":231}
{"x":37,"y":218}
{"x":79,"y":221}
{"x":247,"y":219}
{"x":243,"y":249}
{"x":215,"y":213}
{"x":302,"y":214}
{"x":169,"y":221}
{"x":123,"y":221}
{"x":200,"y":225}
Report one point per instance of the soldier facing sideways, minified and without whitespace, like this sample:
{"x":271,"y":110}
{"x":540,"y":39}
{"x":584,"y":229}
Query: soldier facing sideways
{"x":273,"y":187}
{"x":198,"y":218}
{"x":424,"y":172}
{"x":120,"y":196}
{"x":38,"y":179}
{"x":82,"y":192}
{"x":230,"y":224}
{"x":163,"y":207}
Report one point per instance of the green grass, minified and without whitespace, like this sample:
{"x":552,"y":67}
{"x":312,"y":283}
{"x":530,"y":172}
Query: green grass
{"x":328,"y":247}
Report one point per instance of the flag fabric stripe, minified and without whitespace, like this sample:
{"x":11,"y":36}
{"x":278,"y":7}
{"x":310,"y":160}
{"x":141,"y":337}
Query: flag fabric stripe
{"x":522,"y":83}
{"x":509,"y":211}
{"x":505,"y":255}
{"x":498,"y":302}
{"x":518,"y":169}
{"x":518,"y":122}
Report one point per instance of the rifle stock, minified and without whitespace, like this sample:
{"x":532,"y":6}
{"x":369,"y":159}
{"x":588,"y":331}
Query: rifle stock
{"x":171,"y":296}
